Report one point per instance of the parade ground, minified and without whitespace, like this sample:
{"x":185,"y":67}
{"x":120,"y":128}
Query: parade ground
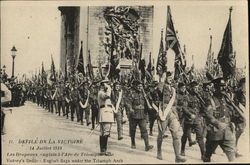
{"x":33,"y":135}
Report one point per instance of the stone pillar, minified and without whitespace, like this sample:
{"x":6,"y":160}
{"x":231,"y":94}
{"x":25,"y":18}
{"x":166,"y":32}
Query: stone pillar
{"x":70,"y":17}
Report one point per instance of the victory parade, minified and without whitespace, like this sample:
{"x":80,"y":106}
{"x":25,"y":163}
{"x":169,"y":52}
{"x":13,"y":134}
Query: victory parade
{"x":128,"y":97}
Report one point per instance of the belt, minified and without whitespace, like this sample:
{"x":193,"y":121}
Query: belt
{"x":102,"y":106}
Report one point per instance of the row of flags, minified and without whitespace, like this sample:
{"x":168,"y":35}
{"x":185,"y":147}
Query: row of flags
{"x":170,"y":58}
{"x":226,"y":58}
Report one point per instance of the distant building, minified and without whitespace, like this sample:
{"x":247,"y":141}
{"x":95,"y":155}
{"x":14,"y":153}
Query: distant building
{"x":87,"y":24}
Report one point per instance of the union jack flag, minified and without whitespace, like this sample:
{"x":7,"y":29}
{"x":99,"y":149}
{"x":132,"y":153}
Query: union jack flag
{"x":173,"y":43}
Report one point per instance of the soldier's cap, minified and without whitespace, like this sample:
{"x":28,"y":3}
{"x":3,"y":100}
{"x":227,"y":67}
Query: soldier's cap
{"x":181,"y":84}
{"x":219,"y":82}
{"x":193,"y":84}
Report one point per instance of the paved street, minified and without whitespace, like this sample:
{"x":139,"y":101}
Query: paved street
{"x":43,"y":137}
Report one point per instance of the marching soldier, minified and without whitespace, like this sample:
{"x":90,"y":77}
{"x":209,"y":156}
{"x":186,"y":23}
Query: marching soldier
{"x":106,"y":116}
{"x":66,"y":95}
{"x":53,"y":97}
{"x":181,"y":104}
{"x":74,"y":101}
{"x":138,"y":115}
{"x":94,"y":104}
{"x":84,"y":101}
{"x":193,"y":119}
{"x":168,"y":117}
{"x":240,"y":101}
{"x":220,"y":128}
{"x":154,"y":97}
{"x":117,"y":101}
{"x":60,"y":98}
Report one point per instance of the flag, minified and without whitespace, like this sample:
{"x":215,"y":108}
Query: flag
{"x":90,"y":67}
{"x":226,"y":56}
{"x":150,"y":66}
{"x":173,"y":43}
{"x":161,"y":60}
{"x":44,"y":75}
{"x":80,"y":64}
{"x":65,"y":72}
{"x":114,"y":71}
{"x":209,"y":62}
{"x":53,"y":70}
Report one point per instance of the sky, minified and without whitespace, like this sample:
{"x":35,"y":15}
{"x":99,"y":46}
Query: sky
{"x":34,"y":29}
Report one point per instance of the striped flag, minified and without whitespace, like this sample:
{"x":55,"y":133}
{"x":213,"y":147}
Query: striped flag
{"x":161,"y":61}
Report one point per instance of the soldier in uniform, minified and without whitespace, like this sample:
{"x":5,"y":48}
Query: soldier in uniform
{"x":168,"y":117}
{"x":66,"y":95}
{"x":220,"y":128}
{"x":106,"y":115}
{"x":117,"y":101}
{"x":181,"y":104}
{"x":138,"y":115}
{"x":53,"y":97}
{"x":94,"y":104}
{"x":84,"y":101}
{"x":153,"y":97}
{"x":74,"y":101}
{"x":240,"y":101}
{"x":193,"y":119}
{"x":60,"y":98}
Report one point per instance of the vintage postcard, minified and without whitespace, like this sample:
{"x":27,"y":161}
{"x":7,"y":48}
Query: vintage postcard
{"x":124,"y":82}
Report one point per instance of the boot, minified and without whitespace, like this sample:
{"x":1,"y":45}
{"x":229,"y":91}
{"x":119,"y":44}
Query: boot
{"x":183,"y":145}
{"x":133,"y":146}
{"x":102,"y":143}
{"x":202,"y":148}
{"x":147,"y":146}
{"x":105,"y":146}
{"x":159,"y":154}
{"x":178,"y":157}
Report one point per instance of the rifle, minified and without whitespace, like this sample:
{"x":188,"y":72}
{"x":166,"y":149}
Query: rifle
{"x":236,"y":108}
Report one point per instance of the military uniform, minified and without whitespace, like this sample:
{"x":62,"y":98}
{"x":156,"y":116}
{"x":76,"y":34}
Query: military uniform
{"x":138,"y":116}
{"x":66,"y":96}
{"x":171,"y":121}
{"x":60,"y":99}
{"x":83,"y":96}
{"x":106,"y":116}
{"x":155,"y":98}
{"x":220,"y":129}
{"x":94,"y":105}
{"x":114,"y":97}
{"x":193,"y":120}
{"x":240,"y":123}
{"x":74,"y":102}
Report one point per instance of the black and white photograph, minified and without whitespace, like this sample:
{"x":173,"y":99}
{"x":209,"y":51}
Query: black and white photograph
{"x":124,"y":82}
